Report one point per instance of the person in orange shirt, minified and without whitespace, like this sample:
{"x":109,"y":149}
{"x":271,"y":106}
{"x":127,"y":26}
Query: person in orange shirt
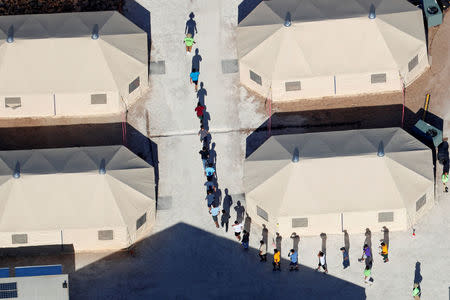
{"x":384,"y":252}
{"x":276,"y":260}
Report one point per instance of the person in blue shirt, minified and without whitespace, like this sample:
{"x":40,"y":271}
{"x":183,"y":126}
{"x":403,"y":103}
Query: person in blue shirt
{"x":293,"y":265}
{"x":210,"y":172}
{"x":345,"y":258}
{"x":194,"y":77}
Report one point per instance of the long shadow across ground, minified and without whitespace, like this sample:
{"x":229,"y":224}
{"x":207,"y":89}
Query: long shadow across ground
{"x":184,"y":262}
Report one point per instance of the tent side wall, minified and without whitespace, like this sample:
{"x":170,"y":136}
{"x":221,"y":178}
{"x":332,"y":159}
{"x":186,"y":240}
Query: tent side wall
{"x":357,"y":222}
{"x":421,"y":67}
{"x":263,"y":89}
{"x":315,"y":87}
{"x":316,"y":224}
{"x":354,"y":84}
{"x":416,"y":209}
{"x":130,"y":98}
{"x":81,"y":104}
{"x":30,"y":105}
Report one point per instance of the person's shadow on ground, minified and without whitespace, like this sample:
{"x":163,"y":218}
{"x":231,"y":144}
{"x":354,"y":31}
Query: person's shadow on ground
{"x":213,"y":154}
{"x":323,"y":236}
{"x":295,"y":241}
{"x":196,"y":59}
{"x":417,"y":276}
{"x":239,"y":212}
{"x":227,"y":201}
{"x":201,"y":94}
{"x":206,"y":119}
{"x":247,"y":223}
{"x":191,"y":25}
{"x":278,"y":241}
{"x":265,"y":235}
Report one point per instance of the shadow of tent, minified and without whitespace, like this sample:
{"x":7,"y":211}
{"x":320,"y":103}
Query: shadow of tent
{"x":140,"y":16}
{"x":339,"y":119}
{"x":184,"y":262}
{"x":246,"y":7}
{"x":81,"y":135}
{"x":38,"y":256}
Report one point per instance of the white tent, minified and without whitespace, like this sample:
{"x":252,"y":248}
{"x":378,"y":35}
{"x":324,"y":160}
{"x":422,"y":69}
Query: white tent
{"x":342,"y":180}
{"x":53,"y":65}
{"x":63,"y":196}
{"x":331,"y":47}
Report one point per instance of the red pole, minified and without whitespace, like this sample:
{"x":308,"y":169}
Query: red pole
{"x":404,"y":96}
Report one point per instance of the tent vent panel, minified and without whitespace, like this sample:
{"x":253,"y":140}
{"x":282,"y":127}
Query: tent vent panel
{"x":19,"y":238}
{"x":299,"y":222}
{"x":378,"y":78}
{"x":8,"y":290}
{"x":98,"y":99}
{"x":413,"y":63}
{"x":421,"y":202}
{"x":386,"y":217}
{"x":134,"y":85}
{"x":255,"y":77}
{"x":141,"y":221}
{"x":262,"y":213}
{"x":13,"y":102}
{"x":293,"y":86}
{"x":105,"y":235}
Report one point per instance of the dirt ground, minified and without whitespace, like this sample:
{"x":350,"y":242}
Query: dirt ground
{"x":433,"y":81}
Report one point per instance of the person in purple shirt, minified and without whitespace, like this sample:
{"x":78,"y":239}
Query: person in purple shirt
{"x":366,"y":256}
{"x":194,"y":77}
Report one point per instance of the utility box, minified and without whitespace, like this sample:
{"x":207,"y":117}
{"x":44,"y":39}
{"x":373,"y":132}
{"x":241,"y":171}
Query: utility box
{"x":433,"y":13}
{"x":429,"y":132}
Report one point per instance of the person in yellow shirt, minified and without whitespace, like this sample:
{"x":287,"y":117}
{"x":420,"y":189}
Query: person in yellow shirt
{"x":276,"y":260}
{"x":384,"y":252}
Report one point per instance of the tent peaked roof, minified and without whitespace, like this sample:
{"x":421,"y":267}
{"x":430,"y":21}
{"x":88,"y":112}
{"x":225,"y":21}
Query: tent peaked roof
{"x":274,"y":12}
{"x":349,"y":43}
{"x":54,"y":53}
{"x":68,"y":182}
{"x":341,"y":169}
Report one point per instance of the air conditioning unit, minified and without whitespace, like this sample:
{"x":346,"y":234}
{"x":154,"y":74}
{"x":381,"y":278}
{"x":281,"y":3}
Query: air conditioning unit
{"x":433,"y":13}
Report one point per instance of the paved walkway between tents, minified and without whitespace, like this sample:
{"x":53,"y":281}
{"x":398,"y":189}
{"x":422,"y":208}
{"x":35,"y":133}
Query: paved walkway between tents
{"x":187,"y":257}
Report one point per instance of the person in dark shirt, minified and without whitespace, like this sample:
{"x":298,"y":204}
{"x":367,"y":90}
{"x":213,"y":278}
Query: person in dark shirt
{"x":245,"y":239}
{"x":204,"y":153}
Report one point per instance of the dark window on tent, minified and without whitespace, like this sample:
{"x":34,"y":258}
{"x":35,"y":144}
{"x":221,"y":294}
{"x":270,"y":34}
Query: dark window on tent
{"x":98,"y":99}
{"x":386,"y":217}
{"x":421,"y":202}
{"x":255,"y":77}
{"x":19,"y":238}
{"x":413,"y":63}
{"x":105,"y":235}
{"x":378,"y":78}
{"x":299,"y":222}
{"x":13,"y":102}
{"x":141,"y":221}
{"x":293,"y":86}
{"x":134,"y":85}
{"x":262,"y":213}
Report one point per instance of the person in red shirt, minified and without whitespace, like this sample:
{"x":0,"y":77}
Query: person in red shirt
{"x":199,"y":110}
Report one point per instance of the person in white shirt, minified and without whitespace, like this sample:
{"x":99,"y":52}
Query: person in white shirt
{"x":322,"y":262}
{"x":237,"y":230}
{"x":262,"y":251}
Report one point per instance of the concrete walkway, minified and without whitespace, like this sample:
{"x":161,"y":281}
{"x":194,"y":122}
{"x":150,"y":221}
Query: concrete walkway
{"x":187,"y":257}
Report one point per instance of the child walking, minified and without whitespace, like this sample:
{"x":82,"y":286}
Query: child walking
{"x":194,"y":77}
{"x":384,"y":252}
{"x":322,"y":262}
{"x":189,"y":41}
{"x":276,"y":260}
